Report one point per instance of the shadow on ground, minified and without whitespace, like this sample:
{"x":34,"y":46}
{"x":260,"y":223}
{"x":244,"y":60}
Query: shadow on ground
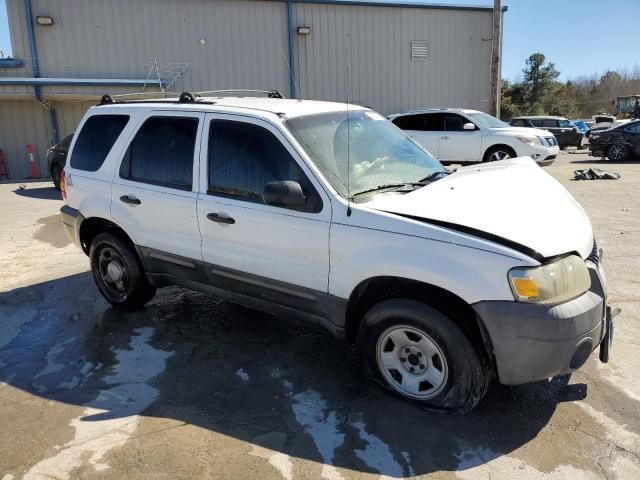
{"x":602,"y":164}
{"x":254,"y":377}
{"x":41,"y":193}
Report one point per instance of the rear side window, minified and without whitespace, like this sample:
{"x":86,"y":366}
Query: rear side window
{"x":243,"y":158}
{"x":518,"y":123}
{"x":95,"y":140}
{"x":161,"y":153}
{"x":564,"y":124}
{"x":427,"y":122}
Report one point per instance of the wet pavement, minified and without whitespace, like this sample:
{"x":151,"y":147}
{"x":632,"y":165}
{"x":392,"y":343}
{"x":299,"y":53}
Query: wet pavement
{"x":193,"y":387}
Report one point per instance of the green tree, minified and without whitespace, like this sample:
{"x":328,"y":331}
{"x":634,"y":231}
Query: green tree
{"x":539,"y":80}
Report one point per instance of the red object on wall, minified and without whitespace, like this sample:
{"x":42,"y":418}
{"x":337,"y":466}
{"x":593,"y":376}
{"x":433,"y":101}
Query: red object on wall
{"x":3,"y":166}
{"x":32,"y":162}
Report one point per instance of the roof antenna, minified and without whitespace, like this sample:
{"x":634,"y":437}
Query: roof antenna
{"x":292,"y":76}
{"x":348,"y":130}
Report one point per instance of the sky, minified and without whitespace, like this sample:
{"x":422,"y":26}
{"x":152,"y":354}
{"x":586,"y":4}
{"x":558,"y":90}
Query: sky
{"x":571,"y":33}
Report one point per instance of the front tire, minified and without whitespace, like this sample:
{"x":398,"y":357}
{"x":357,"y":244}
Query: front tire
{"x":416,"y":352}
{"x":495,"y":154}
{"x":118,"y":273}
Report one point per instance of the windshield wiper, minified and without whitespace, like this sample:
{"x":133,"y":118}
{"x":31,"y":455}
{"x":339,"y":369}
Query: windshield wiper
{"x":432,"y":177}
{"x":384,"y":187}
{"x":411,"y":186}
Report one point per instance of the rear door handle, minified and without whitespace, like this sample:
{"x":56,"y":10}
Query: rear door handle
{"x":445,"y":138}
{"x":130,"y":200}
{"x":214,"y":217}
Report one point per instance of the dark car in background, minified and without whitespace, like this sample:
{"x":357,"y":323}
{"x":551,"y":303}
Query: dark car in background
{"x":618,"y":143}
{"x":57,"y":158}
{"x":566,"y":133}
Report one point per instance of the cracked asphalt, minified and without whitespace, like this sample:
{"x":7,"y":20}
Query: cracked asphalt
{"x":193,"y":387}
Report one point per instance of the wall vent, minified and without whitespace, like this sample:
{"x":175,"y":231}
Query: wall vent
{"x":419,"y":51}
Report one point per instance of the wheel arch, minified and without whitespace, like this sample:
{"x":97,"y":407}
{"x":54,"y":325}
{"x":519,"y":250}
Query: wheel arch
{"x":498,"y":145}
{"x":374,"y":290}
{"x":93,"y":226}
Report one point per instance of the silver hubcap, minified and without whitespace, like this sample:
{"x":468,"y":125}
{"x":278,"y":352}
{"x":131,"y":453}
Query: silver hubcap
{"x":411,"y":362}
{"x":616,"y":152}
{"x":499,"y":155}
{"x":115,"y":271}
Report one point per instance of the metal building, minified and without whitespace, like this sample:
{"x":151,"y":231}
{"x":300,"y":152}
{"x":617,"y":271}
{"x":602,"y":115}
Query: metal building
{"x":391,"y":56}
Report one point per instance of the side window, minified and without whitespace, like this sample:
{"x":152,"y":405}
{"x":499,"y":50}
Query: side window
{"x":409,"y":122}
{"x":565,"y":124}
{"x":243,"y":158}
{"x":454,"y":123}
{"x":95,"y":140}
{"x":518,"y":123}
{"x":537,"y":123}
{"x":161,"y":153}
{"x":633,"y":128}
{"x":549,"y":123}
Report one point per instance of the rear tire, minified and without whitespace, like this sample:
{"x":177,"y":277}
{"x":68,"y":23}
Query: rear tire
{"x":56,"y":170}
{"x":495,"y":154}
{"x":415,"y":351}
{"x":118,"y":272}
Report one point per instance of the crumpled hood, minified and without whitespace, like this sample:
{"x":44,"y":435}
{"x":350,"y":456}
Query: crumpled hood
{"x":513,"y":199}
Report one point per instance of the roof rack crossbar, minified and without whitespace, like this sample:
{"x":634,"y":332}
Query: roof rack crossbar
{"x":185,"y":97}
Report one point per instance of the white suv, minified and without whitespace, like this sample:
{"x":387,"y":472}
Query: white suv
{"x":461,"y":135}
{"x":330,"y":214}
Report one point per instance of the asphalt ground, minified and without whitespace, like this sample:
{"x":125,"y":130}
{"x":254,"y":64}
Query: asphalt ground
{"x":193,"y":387}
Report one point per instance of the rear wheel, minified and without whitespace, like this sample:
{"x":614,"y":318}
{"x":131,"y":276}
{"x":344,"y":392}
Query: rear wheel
{"x":495,"y":154}
{"x":415,"y":351}
{"x":617,"y":152}
{"x":56,"y":169}
{"x":118,"y":273}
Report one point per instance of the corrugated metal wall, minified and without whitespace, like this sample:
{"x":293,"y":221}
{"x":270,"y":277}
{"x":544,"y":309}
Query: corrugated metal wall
{"x":361,"y":50}
{"x":373,"y":46}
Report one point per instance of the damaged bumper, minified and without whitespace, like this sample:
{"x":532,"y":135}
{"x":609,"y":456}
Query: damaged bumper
{"x":71,"y":221}
{"x":534,"y":342}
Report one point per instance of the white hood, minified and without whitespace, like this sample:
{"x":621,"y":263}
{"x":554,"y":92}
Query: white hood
{"x":525,"y":131}
{"x":514,"y":199}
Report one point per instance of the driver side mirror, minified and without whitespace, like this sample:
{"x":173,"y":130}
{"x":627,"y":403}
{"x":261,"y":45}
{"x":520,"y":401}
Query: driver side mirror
{"x":469,"y":126}
{"x":285,"y":194}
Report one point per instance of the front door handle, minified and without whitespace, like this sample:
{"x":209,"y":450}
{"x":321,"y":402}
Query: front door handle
{"x":129,"y":200}
{"x":214,"y":217}
{"x":445,"y":138}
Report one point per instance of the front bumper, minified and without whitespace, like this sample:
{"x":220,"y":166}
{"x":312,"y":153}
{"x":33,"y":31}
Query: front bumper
{"x":541,"y":154}
{"x":71,"y":221}
{"x":534,"y":342}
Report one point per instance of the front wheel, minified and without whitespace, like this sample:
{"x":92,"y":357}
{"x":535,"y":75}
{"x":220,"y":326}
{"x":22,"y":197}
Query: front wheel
{"x":498,"y":153}
{"x":415,"y":351}
{"x":118,"y":273}
{"x":617,"y":152}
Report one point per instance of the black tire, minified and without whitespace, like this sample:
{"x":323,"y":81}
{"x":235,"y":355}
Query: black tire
{"x":133,"y":289}
{"x":491,"y":153}
{"x":466,"y":380}
{"x":56,"y":170}
{"x":617,"y":152}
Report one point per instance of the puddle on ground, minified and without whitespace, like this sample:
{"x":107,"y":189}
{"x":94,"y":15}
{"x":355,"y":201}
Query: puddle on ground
{"x":52,"y":232}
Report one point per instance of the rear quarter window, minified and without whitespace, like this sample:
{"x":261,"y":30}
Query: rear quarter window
{"x":95,"y":141}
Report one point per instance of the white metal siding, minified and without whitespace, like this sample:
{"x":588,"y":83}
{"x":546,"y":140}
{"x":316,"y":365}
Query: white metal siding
{"x":377,"y":43}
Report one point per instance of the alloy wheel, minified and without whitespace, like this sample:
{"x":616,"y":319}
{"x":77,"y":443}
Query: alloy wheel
{"x":499,"y":155}
{"x":617,"y":152}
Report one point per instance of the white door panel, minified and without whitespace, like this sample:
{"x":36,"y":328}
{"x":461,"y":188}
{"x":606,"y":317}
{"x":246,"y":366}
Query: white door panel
{"x":165,"y":218}
{"x":429,"y":140}
{"x":271,"y":242}
{"x":462,"y":146}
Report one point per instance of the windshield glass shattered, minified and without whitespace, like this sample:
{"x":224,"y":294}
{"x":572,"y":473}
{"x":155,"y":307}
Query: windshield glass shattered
{"x":362,"y":151}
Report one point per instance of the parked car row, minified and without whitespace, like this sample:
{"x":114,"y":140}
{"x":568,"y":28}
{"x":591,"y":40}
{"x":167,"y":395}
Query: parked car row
{"x":327,"y":213}
{"x":567,"y":134}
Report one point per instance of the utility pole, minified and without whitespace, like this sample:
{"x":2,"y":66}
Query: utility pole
{"x":496,"y":59}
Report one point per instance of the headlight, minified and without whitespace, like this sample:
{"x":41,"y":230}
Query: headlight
{"x":556,"y":282}
{"x":528,"y":140}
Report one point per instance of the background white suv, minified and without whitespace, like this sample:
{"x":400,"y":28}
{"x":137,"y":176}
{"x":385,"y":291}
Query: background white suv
{"x":461,"y":135}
